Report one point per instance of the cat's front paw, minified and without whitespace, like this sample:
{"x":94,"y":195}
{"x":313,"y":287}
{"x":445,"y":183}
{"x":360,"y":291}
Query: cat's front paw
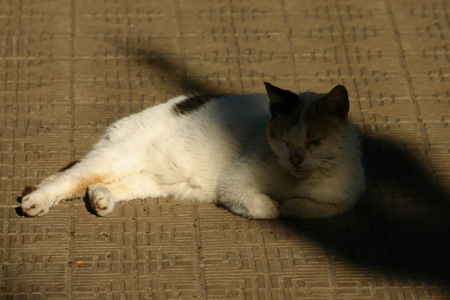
{"x":34,"y":205}
{"x":101,"y":198}
{"x":262,"y":207}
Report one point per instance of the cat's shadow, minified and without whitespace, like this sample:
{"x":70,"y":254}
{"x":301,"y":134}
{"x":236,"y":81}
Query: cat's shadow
{"x":401,"y":225}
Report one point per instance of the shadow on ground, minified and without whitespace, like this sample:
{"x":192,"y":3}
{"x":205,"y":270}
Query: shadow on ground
{"x":174,"y":72}
{"x":400,"y":227}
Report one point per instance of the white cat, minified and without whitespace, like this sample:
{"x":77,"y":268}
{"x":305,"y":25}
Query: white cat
{"x":260,"y":156}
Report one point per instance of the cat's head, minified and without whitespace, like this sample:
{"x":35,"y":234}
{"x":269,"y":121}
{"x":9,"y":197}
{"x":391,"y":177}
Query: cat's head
{"x":308,"y":131}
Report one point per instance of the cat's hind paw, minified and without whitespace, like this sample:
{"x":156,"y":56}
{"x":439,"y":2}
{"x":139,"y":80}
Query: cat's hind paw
{"x":32,"y":205}
{"x":101,"y":199}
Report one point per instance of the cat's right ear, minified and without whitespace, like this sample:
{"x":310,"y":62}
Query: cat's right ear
{"x":281,"y":101}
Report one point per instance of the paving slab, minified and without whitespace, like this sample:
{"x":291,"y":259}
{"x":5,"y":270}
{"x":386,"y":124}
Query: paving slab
{"x":69,"y":68}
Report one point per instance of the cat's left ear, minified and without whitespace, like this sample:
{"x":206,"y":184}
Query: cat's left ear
{"x":281,"y":101}
{"x":336,"y":103}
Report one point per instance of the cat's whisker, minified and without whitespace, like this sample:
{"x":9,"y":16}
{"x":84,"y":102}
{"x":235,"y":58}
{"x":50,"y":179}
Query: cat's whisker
{"x":271,"y":166}
{"x":271,"y":163}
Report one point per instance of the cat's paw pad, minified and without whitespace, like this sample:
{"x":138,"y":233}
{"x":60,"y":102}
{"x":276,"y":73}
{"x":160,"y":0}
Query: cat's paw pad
{"x":33,"y":206}
{"x":101,"y":198}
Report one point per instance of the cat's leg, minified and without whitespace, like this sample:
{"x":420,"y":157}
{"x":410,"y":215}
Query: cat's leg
{"x":103,"y":196}
{"x":251,"y":204}
{"x":67,"y":185}
{"x":99,"y":166}
{"x":300,"y":208}
{"x":239,"y":193}
{"x":248,"y":202}
{"x":49,"y":179}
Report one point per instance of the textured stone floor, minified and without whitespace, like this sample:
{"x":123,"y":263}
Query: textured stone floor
{"x":70,"y":68}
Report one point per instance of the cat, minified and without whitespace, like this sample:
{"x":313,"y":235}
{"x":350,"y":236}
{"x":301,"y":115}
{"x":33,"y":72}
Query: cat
{"x":261,"y":156}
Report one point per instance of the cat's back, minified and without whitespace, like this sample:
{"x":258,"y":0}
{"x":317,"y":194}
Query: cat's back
{"x":235,"y":114}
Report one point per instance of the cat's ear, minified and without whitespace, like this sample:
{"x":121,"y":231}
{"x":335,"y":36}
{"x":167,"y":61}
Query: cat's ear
{"x":281,"y":101}
{"x":336,"y":103}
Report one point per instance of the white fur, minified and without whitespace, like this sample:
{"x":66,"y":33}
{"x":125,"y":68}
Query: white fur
{"x":218,"y":153}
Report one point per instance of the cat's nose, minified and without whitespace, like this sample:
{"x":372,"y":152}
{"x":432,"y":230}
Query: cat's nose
{"x":296,"y":160}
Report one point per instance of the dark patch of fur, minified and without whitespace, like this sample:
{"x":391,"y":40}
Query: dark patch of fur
{"x":284,"y":108}
{"x":281,"y":122}
{"x":191,"y":104}
{"x":70,"y":165}
{"x":28,"y":190}
{"x":322,"y":116}
{"x":281,"y":101}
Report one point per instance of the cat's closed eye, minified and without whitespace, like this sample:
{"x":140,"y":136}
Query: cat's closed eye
{"x":314,"y":142}
{"x":276,"y":137}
